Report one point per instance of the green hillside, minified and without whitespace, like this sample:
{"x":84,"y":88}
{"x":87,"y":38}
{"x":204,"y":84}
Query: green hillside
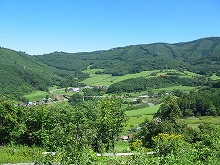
{"x":200,"y":56}
{"x":22,"y":73}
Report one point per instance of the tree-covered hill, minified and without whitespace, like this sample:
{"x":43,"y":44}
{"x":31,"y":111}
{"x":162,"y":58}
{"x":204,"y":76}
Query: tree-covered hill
{"x":22,"y":73}
{"x":202,"y":56}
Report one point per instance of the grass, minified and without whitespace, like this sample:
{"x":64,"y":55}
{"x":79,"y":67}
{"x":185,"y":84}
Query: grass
{"x":53,"y":88}
{"x":92,"y":71}
{"x":143,"y":111}
{"x":37,"y":95}
{"x":169,"y":89}
{"x":135,"y":117}
{"x":214,"y":77}
{"x":60,"y":91}
{"x":122,"y":146}
{"x":107,"y":79}
{"x":190,"y":74}
{"x":18,"y":154}
{"x":103,"y":80}
{"x":134,"y":121}
{"x":194,"y":122}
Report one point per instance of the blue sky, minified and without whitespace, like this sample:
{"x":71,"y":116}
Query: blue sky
{"x":44,"y":26}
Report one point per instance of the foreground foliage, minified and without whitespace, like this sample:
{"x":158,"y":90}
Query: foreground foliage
{"x":77,"y":132}
{"x":67,"y":129}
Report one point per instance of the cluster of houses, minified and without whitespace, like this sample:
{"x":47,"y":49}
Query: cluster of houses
{"x":72,"y":89}
{"x":39,"y":102}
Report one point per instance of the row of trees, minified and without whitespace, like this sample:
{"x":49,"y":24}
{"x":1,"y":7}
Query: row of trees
{"x":204,"y":102}
{"x":142,"y":84}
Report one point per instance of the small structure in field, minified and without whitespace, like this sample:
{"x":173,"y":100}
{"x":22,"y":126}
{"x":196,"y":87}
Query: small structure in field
{"x":124,"y":138}
{"x":74,"y":89}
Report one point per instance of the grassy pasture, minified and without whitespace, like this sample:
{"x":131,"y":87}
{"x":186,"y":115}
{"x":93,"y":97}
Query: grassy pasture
{"x":122,"y":146}
{"x":169,"y":89}
{"x":214,"y":77}
{"x":18,"y":154}
{"x":190,"y":74}
{"x":92,"y":71}
{"x":138,"y":116}
{"x":107,"y":79}
{"x":194,"y":122}
{"x":37,"y":95}
{"x":144,"y":111}
{"x":136,"y":120}
{"x":60,"y":91}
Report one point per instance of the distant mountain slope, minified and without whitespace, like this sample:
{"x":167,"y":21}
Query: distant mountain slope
{"x":21,"y":73}
{"x":202,"y":56}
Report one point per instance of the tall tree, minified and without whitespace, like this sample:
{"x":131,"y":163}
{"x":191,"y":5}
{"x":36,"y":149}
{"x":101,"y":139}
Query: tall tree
{"x":169,"y":109}
{"x":110,"y":122}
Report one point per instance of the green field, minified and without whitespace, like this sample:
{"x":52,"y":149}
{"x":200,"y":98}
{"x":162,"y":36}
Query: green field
{"x":134,"y":121}
{"x":190,"y":74}
{"x":135,"y":117}
{"x":17,"y":154}
{"x":169,"y":89}
{"x":37,"y":95}
{"x":214,"y":77}
{"x":107,"y":79}
{"x":194,"y":122}
{"x":144,"y":111}
{"x":92,"y":71}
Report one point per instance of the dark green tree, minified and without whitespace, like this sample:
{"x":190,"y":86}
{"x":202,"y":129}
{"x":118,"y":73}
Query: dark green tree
{"x":169,"y":109}
{"x":75,"y":98}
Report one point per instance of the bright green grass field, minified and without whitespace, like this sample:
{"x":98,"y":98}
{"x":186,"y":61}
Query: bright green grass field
{"x":135,"y":117}
{"x":190,"y":74}
{"x":168,"y":89}
{"x":37,"y":95}
{"x":214,"y":77}
{"x":19,"y":154}
{"x":144,"y":111}
{"x":60,"y":91}
{"x":134,"y":121}
{"x":92,"y":71}
{"x":107,"y":79}
{"x":194,"y":122}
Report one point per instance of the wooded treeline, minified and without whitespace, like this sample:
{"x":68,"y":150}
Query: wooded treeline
{"x":145,"y":84}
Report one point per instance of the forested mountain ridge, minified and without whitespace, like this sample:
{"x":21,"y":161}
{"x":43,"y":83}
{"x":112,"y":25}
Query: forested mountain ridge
{"x":22,"y":73}
{"x":201,"y":56}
